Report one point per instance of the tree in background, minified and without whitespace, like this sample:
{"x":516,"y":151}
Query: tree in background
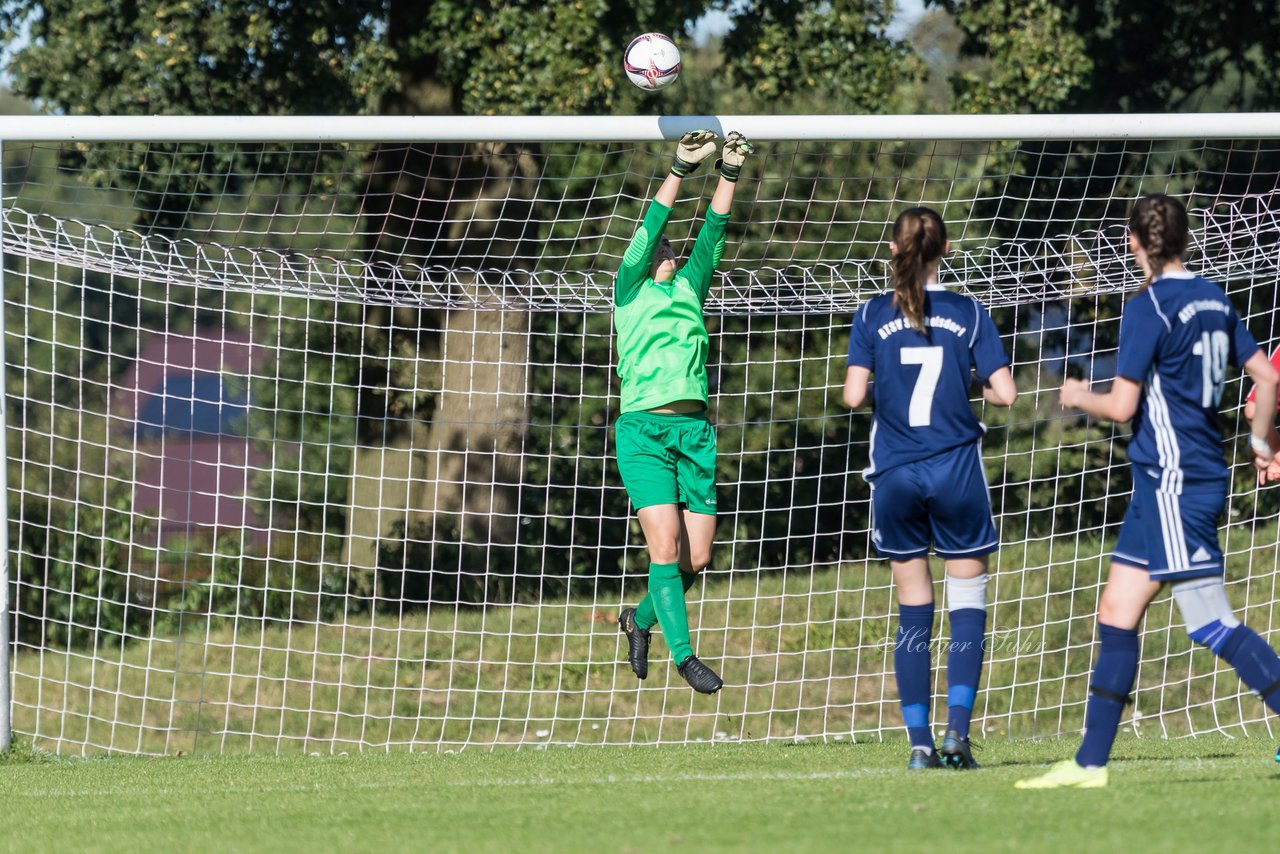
{"x":1105,"y":56}
{"x":1114,"y":56}
{"x":1034,"y":61}
{"x":252,"y":57}
{"x":508,"y":58}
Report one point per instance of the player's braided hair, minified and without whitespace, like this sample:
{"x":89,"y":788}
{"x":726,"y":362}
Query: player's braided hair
{"x":921,"y":238}
{"x":1160,"y":223}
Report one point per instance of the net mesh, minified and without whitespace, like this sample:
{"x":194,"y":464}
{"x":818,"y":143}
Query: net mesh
{"x":309,"y":445}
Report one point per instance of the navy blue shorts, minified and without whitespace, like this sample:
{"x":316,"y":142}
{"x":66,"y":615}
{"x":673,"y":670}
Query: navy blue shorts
{"x":1172,"y":534}
{"x":942,"y":500}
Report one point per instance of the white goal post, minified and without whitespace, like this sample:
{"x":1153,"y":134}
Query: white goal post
{"x":308,"y":424}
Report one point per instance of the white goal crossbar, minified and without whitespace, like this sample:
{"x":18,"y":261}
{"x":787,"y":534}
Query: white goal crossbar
{"x":638,"y":128}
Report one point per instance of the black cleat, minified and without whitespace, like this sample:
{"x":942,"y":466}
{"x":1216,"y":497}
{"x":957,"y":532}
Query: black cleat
{"x":957,"y":752}
{"x":700,"y":677}
{"x":637,"y":642}
{"x":922,"y":759}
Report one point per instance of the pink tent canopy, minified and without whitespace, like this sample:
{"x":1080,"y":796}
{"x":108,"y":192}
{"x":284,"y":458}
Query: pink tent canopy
{"x":185,"y":403}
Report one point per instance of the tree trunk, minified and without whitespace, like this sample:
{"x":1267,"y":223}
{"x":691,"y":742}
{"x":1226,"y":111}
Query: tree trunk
{"x":461,"y":374}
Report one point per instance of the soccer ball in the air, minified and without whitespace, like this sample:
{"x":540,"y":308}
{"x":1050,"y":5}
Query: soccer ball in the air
{"x":652,"y":61}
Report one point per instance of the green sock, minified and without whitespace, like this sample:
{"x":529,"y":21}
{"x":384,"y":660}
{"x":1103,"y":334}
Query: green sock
{"x":647,"y":614}
{"x":667,"y":594}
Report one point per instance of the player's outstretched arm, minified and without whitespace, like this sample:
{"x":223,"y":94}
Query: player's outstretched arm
{"x":1001,"y":389}
{"x":1118,"y":404}
{"x":693,"y":148}
{"x":736,"y":149}
{"x":704,"y":259}
{"x":669,"y":190}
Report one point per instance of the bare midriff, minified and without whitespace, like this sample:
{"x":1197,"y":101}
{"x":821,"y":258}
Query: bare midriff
{"x":679,"y":407}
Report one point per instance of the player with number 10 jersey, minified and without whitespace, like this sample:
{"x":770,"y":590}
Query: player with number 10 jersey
{"x":1177,"y":338}
{"x":1178,"y":335}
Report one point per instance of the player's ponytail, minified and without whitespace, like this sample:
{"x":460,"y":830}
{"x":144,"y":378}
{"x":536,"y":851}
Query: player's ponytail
{"x":921,"y":239}
{"x":1160,"y":224}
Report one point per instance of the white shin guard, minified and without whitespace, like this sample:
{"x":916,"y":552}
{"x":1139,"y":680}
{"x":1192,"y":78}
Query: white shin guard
{"x":967,"y":592}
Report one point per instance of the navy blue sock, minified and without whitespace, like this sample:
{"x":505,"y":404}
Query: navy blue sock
{"x":964,"y":666}
{"x":1256,"y":662}
{"x":911,"y":664}
{"x":1109,"y":687}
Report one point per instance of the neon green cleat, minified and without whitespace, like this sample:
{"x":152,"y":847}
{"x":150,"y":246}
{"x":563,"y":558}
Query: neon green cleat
{"x":1067,"y":775}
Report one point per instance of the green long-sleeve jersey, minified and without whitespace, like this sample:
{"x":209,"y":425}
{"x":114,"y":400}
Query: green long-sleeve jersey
{"x":662,"y":339}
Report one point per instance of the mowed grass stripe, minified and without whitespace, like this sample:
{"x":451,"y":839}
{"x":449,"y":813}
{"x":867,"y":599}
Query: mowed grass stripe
{"x":1212,"y":793}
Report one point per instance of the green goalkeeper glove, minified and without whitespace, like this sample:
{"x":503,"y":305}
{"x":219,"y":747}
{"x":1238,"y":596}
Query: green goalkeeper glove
{"x":736,"y":149}
{"x":694,"y":147}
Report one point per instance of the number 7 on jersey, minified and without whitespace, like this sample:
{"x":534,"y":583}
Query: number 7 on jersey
{"x":929,"y":359}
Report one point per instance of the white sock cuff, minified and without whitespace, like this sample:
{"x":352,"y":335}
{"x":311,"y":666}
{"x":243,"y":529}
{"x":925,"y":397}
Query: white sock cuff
{"x":967,"y":592}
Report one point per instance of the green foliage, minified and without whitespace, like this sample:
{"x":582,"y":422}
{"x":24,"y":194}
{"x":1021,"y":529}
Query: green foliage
{"x":1056,"y":473}
{"x":367,"y":372}
{"x":789,"y":451}
{"x":1037,"y":61}
{"x":830,"y":54}
{"x":75,"y":570}
{"x":209,"y":576}
{"x":1105,"y":56}
{"x":500,"y":60}
{"x":1178,"y":55}
{"x":87,"y":570}
{"x":100,"y":57}
{"x":570,"y":442}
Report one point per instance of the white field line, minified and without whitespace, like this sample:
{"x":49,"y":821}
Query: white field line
{"x":697,"y":777}
{"x":610,"y":779}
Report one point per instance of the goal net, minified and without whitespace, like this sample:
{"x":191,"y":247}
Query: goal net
{"x":309,"y":437}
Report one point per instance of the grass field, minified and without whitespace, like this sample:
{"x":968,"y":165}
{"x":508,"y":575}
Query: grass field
{"x":1209,"y":793}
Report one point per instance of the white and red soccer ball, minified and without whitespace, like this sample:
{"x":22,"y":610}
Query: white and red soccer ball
{"x":652,"y":61}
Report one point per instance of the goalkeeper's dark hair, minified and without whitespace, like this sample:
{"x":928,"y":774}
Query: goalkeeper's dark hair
{"x":1160,"y":224}
{"x":921,"y":238}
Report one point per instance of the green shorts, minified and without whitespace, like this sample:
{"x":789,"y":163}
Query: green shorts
{"x":667,"y":459}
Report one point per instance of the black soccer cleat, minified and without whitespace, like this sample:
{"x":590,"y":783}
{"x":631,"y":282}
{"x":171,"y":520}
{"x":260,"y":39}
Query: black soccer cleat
{"x":637,"y":642}
{"x":922,"y":759}
{"x":957,"y":752}
{"x":700,"y":677}
{"x":1278,"y":754}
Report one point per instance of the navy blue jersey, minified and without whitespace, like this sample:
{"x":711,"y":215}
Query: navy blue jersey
{"x":1177,"y":339}
{"x":921,"y":389}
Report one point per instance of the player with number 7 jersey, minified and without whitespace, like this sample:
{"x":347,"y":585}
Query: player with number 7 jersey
{"x":928,"y":488}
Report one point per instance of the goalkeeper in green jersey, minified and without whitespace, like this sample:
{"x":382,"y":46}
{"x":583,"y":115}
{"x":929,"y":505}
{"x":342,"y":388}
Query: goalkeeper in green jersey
{"x":666,"y":445}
